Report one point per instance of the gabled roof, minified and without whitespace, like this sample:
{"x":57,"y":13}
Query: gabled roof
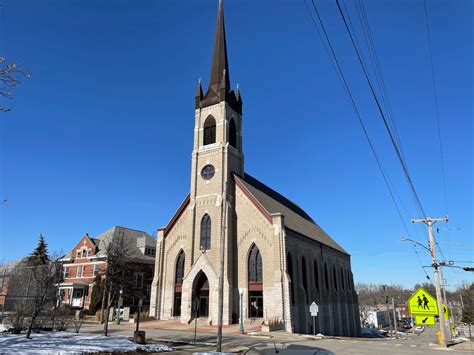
{"x":296,"y":218}
{"x":135,"y":241}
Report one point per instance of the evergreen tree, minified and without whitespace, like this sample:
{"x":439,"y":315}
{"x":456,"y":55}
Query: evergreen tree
{"x":40,"y":253}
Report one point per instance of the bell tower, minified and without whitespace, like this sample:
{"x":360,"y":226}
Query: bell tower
{"x":217,"y":151}
{"x":217,"y":155}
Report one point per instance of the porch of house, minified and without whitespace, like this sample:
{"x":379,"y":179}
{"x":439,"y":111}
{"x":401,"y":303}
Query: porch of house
{"x":73,"y":293}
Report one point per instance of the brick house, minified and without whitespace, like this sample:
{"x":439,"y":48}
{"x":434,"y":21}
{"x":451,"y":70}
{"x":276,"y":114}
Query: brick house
{"x":88,"y":259}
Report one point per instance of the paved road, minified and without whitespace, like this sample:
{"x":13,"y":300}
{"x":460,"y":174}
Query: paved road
{"x":282,"y":343}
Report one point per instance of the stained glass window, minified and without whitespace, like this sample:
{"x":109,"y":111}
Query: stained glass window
{"x":316,"y":276}
{"x":180,"y":268}
{"x":255,"y":265}
{"x":206,"y":232}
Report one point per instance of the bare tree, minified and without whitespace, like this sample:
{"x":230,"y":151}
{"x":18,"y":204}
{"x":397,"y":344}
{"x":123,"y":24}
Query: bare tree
{"x":10,"y":76}
{"x":118,"y":252}
{"x":45,"y":278}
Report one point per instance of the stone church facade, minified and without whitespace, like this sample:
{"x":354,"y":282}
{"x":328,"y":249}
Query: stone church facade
{"x":275,"y":256}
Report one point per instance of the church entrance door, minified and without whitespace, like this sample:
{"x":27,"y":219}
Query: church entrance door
{"x":201,"y":292}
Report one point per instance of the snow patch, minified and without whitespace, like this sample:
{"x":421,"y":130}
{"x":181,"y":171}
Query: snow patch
{"x":70,"y":343}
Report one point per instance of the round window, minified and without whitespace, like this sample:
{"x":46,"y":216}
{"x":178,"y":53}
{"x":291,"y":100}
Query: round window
{"x":208,"y":172}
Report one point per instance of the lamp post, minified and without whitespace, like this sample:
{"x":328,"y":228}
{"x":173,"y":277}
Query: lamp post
{"x":241,"y":294}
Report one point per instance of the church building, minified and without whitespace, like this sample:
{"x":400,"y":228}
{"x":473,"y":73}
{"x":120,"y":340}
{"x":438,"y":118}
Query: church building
{"x":276,"y":258}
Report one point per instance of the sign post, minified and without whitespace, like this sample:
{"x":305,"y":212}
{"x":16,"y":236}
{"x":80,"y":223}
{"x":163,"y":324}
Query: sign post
{"x":313,"y":309}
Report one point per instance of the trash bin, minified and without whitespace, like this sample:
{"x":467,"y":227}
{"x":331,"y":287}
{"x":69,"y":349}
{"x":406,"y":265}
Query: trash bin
{"x":438,"y":334}
{"x":139,"y":337}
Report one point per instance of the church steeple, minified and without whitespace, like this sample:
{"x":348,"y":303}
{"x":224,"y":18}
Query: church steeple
{"x":219,"y":84}
{"x":219,"y":55}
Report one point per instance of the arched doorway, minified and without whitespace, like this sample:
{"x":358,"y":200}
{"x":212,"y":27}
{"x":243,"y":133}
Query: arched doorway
{"x":201,"y":296}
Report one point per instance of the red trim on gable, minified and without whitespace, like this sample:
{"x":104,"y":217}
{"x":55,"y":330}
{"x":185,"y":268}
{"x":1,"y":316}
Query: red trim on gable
{"x":254,"y":200}
{"x":178,"y":213}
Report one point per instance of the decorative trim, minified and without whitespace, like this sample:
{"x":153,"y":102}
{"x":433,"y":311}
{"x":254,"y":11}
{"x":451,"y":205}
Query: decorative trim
{"x":252,"y":198}
{"x":176,"y":216}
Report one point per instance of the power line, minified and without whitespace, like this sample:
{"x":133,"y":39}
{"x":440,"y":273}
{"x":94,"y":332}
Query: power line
{"x":331,"y":53}
{"x":389,"y":131}
{"x":435,"y":95}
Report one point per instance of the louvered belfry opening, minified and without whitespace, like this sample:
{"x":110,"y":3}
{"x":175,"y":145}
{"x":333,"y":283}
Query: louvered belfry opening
{"x":232,"y":134}
{"x":210,"y":131}
{"x":255,"y":283}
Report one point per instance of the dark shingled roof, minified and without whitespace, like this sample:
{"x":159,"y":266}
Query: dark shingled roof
{"x":296,"y":218}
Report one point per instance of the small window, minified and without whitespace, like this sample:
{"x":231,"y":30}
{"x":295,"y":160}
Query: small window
{"x":66,"y":272}
{"x":78,"y":254}
{"x":96,"y":269}
{"x":138,"y":278}
{"x":83,"y":253}
{"x":79,"y":271}
{"x":152,"y":251}
{"x":210,"y":131}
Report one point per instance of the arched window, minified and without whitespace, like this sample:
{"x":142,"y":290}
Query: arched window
{"x":179,"y":268}
{"x":210,"y":131}
{"x":255,"y":285}
{"x":342,"y":279}
{"x":178,"y":281}
{"x":335,"y":277}
{"x":289,"y":267}
{"x":316,"y":276}
{"x":232,"y":134}
{"x":326,"y":277}
{"x":206,"y":232}
{"x":304,"y":275}
{"x":255,"y":265}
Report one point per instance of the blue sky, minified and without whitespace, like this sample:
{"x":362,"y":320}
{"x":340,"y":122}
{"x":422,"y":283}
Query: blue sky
{"x":101,"y":135}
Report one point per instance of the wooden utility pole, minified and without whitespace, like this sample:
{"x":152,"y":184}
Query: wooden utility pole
{"x":429,"y":222}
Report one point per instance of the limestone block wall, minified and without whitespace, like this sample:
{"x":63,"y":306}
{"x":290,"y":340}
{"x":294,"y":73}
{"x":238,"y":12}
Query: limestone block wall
{"x":253,"y":227}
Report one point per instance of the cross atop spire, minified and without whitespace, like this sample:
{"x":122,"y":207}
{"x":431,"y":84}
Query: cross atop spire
{"x":219,"y":55}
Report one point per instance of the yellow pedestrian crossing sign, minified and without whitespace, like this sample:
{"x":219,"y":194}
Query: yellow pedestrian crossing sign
{"x":446,"y":312}
{"x":422,"y":303}
{"x":425,"y":320}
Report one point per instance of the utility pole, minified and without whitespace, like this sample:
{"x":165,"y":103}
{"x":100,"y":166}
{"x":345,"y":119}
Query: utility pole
{"x":220,"y":305}
{"x":429,"y":222}
{"x":388,"y":310}
{"x":445,"y":300}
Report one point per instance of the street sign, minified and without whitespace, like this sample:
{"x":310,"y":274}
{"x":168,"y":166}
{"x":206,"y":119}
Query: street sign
{"x":313,"y":309}
{"x":425,"y":320}
{"x":422,"y":303}
{"x":445,"y":312}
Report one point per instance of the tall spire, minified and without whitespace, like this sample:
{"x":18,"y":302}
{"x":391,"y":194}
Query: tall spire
{"x":219,"y":55}
{"x":219,"y":85}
